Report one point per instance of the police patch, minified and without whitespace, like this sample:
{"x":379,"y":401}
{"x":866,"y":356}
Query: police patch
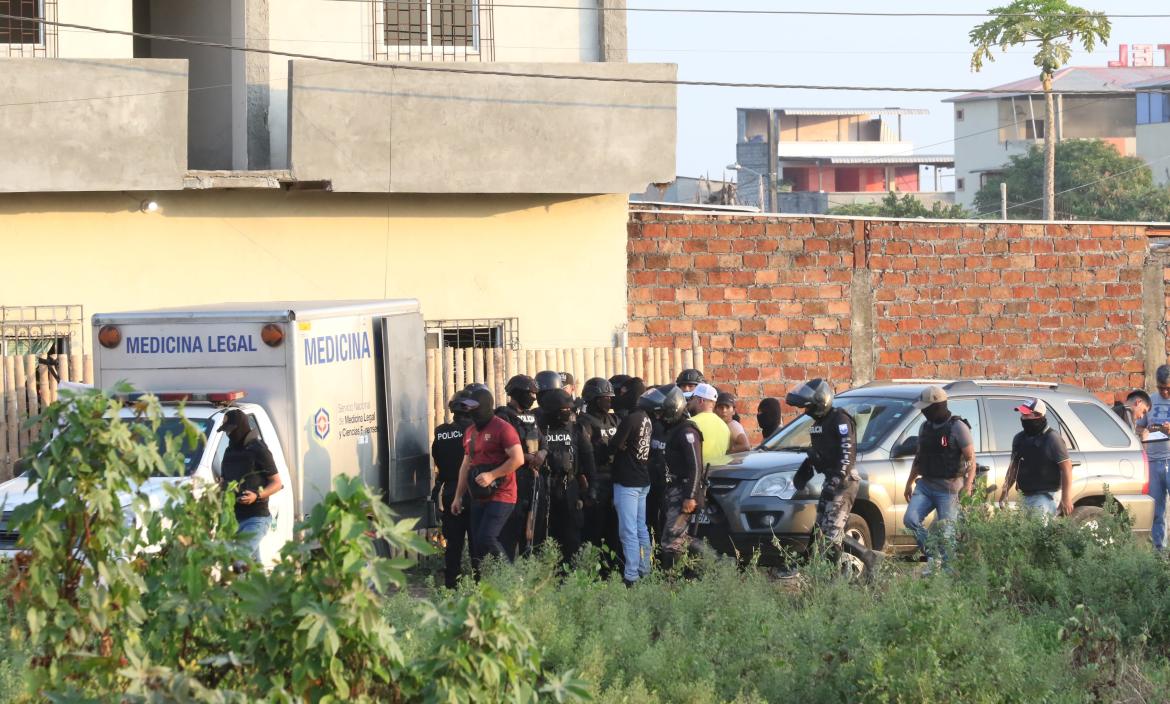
{"x":844,"y":428}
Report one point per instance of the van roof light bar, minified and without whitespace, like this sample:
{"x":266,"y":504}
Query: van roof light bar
{"x":217,"y":398}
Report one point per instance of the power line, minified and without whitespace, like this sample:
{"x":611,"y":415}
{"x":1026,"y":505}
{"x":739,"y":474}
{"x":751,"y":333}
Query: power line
{"x":548,"y":76}
{"x":746,"y":11}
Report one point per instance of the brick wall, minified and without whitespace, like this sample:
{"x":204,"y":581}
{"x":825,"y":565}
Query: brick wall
{"x":776,"y":300}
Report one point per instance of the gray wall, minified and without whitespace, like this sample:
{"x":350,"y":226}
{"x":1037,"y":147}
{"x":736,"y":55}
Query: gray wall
{"x":210,"y":120}
{"x":409,"y":131}
{"x":92,"y":124}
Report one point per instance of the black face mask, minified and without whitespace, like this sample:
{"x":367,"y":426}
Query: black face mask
{"x":769,"y":418}
{"x":524,"y":399}
{"x":603,"y":404}
{"x":936,"y":412}
{"x":1034,"y":426}
{"x":564,"y":415}
{"x":461,"y":419}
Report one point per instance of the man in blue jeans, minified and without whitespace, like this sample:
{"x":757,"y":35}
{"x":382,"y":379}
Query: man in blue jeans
{"x":944,"y":466}
{"x":631,"y":486}
{"x":247,"y":463}
{"x":1155,"y":431}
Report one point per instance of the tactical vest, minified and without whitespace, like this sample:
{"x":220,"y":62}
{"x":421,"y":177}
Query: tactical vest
{"x":525,"y":424}
{"x":1036,"y":471}
{"x":601,"y":432}
{"x":938,"y":458}
{"x":828,"y":440}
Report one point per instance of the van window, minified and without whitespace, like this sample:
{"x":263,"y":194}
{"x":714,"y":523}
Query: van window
{"x":1101,"y":423}
{"x":965,"y":408}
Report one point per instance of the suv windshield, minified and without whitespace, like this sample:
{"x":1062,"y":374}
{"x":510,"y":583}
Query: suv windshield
{"x":875,"y":416}
{"x":173,"y":427}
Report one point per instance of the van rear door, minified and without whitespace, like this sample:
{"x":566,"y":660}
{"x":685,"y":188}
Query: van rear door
{"x":404,"y":406}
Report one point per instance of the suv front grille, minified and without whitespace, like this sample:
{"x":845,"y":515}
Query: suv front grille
{"x":719,"y":487}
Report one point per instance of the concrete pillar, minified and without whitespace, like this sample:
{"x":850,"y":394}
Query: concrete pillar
{"x":861,"y":303}
{"x":259,"y":142}
{"x":1154,"y":316}
{"x":614,"y":45}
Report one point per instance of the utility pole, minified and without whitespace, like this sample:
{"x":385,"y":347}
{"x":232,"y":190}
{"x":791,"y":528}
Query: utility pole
{"x":1003,"y":200}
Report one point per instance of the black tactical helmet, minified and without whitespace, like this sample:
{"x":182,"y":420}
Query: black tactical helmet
{"x":520,"y":382}
{"x":666,"y":402}
{"x":690,"y":376}
{"x":556,"y":400}
{"x":596,"y":388}
{"x":815,"y":397}
{"x":475,"y":386}
{"x":462,"y":402}
{"x":547,"y":381}
{"x":1162,"y":376}
{"x":617,"y":381}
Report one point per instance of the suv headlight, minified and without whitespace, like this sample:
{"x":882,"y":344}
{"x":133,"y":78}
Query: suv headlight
{"x":777,"y":485}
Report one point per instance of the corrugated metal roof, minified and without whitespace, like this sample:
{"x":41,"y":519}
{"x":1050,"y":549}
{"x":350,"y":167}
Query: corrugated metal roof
{"x":1077,"y":78}
{"x":928,"y":159}
{"x":852,"y":111}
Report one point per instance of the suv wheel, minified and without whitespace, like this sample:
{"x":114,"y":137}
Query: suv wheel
{"x":856,"y":529}
{"x":1087,"y":518}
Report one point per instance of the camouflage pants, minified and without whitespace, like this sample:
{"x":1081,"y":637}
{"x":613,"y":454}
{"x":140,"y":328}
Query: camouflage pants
{"x":833,"y":509}
{"x":676,"y":535}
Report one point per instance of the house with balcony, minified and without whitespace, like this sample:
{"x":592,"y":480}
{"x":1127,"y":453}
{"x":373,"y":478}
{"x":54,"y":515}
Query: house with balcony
{"x":349,"y":150}
{"x":991,"y":127}
{"x":807,"y":160}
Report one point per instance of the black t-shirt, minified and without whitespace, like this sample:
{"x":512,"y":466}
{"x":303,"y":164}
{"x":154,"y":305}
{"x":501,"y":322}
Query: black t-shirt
{"x":447,"y":452}
{"x":631,"y":450}
{"x":252,"y":466}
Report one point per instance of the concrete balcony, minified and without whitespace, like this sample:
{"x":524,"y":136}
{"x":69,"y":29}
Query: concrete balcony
{"x":397,"y":130}
{"x":92,"y":124}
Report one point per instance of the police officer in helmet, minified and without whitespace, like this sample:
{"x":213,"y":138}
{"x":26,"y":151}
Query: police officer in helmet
{"x":833,"y":453}
{"x":682,"y":451}
{"x":688,"y":379}
{"x":600,"y":425}
{"x":546,"y":381}
{"x":447,"y":452}
{"x":569,"y":471}
{"x":521,"y":390}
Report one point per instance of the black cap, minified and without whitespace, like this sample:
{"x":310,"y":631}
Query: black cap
{"x":556,"y":400}
{"x":725,"y":399}
{"x":567,"y":379}
{"x":234,"y":418}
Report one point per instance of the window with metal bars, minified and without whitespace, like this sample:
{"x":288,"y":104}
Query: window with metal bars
{"x":21,"y":32}
{"x":426,"y":22}
{"x":477,"y":333}
{"x":433,"y":30}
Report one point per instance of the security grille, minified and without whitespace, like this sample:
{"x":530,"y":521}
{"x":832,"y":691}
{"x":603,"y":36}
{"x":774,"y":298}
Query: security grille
{"x":479,"y":332}
{"x":21,"y":34}
{"x":433,"y":30}
{"x":42,"y":330}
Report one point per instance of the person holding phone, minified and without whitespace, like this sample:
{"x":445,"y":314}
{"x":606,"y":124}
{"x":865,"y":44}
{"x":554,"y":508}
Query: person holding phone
{"x":1156,"y":425}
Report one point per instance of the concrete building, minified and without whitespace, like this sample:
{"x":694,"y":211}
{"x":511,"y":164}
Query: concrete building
{"x":688,"y":190}
{"x":138,"y":172}
{"x":990,"y":128}
{"x":808,"y":160}
{"x":1153,"y":127}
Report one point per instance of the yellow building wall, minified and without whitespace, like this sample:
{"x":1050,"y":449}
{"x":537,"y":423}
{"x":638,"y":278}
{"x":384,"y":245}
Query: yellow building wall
{"x":556,"y":263}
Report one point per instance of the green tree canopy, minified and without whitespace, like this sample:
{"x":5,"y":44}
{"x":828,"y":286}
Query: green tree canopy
{"x":1093,"y":182}
{"x":905,"y":207}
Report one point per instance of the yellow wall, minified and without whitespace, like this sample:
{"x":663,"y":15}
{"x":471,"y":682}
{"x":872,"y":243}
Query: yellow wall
{"x":557,"y":263}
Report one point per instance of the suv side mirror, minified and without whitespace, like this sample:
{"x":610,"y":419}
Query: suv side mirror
{"x":906,"y":448}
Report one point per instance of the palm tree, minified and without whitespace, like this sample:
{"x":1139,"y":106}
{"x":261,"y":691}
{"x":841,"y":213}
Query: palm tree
{"x":1053,"y":26}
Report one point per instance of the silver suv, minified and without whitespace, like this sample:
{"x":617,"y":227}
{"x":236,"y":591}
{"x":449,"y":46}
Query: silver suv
{"x":745,"y":513}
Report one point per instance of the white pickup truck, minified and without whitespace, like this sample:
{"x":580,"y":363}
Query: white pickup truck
{"x":333,"y":388}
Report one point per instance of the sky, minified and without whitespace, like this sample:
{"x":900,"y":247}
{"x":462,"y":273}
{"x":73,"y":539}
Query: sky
{"x":823,"y":50}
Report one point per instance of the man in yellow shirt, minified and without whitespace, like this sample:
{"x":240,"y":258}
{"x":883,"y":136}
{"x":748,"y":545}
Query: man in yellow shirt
{"x":716,"y":434}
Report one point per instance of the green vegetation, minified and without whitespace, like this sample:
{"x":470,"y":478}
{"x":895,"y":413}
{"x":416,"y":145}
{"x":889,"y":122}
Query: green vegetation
{"x":905,"y":207}
{"x":1033,"y":612}
{"x":1094,"y":180}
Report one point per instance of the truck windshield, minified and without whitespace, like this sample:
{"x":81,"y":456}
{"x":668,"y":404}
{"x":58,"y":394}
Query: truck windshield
{"x":173,"y":427}
{"x":875,"y":416}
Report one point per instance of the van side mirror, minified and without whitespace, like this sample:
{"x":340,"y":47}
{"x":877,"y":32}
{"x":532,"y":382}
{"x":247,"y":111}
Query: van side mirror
{"x":906,"y":448}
